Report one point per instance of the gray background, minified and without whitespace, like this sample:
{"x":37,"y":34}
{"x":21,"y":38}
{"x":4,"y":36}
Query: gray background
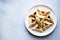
{"x":12,"y":14}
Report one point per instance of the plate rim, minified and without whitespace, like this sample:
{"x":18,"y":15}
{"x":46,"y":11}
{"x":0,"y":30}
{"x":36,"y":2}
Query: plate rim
{"x":53,"y":13}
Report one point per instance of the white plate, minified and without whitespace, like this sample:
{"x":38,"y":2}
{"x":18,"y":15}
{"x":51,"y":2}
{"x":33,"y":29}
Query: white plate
{"x":49,"y":30}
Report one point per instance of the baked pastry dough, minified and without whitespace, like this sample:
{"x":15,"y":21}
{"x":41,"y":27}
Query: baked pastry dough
{"x":40,"y":20}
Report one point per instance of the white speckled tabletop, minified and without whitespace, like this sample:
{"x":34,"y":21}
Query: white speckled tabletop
{"x":12,"y":14}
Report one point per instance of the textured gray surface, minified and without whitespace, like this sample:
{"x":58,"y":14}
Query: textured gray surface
{"x":12,"y":14}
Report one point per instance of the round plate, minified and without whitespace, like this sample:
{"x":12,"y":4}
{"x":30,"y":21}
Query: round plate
{"x":46,"y":32}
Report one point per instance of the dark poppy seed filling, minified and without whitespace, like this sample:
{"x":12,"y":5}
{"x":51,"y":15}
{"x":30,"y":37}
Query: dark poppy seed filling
{"x":34,"y":13}
{"x":46,"y":24}
{"x":38,"y":27}
{"x":33,"y":20}
{"x":42,"y":11}
{"x":48,"y":16}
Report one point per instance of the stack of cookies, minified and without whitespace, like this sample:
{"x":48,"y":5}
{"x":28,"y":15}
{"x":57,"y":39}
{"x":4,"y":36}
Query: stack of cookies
{"x":40,"y":20}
